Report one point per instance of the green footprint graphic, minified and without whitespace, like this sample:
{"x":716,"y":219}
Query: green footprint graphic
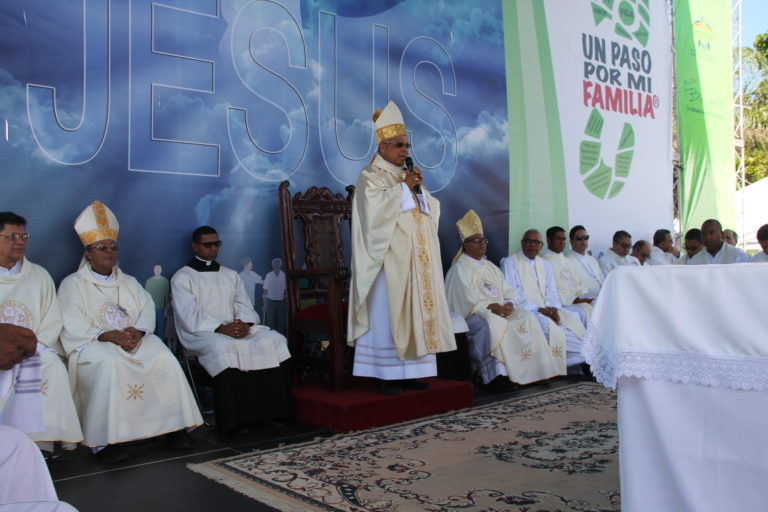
{"x":600,"y":179}
{"x":628,"y":13}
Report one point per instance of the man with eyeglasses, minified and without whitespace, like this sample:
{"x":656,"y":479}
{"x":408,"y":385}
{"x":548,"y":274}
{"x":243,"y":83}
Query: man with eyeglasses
{"x":717,"y":250}
{"x":216,"y":322}
{"x":586,"y":268}
{"x":566,"y":275}
{"x":692,"y":244}
{"x":617,"y":254}
{"x":127,"y":384}
{"x":28,"y":299}
{"x":398,"y":315}
{"x":531,"y":276}
{"x":506,"y":342}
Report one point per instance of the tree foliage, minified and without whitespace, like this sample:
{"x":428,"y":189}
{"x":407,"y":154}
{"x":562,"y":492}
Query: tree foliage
{"x":755,"y":82}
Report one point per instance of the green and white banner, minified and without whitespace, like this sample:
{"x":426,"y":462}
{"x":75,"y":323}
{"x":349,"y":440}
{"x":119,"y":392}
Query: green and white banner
{"x":705,"y":111}
{"x":589,"y":99}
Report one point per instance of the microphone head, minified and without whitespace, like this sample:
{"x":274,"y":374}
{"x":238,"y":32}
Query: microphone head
{"x":409,"y":163}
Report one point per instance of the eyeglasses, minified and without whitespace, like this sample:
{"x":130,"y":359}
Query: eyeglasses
{"x":625,"y":245}
{"x":16,"y":236}
{"x":399,"y":144}
{"x":477,"y":240}
{"x":104,"y":247}
{"x":691,"y":247}
{"x":579,"y":238}
{"x":531,"y":241}
{"x":208,"y":245}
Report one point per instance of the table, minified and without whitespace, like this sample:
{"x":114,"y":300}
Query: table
{"x":687,"y":349}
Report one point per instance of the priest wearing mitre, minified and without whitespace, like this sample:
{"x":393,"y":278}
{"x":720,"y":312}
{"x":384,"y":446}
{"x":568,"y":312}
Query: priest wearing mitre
{"x":398,"y":314}
{"x":505,"y":341}
{"x":127,"y":384}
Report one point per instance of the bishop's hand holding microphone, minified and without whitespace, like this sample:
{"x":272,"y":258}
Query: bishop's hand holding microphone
{"x":413,"y":178}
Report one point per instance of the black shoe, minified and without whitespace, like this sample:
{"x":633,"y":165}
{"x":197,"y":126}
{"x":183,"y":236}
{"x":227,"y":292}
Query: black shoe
{"x":415,"y":384}
{"x":112,"y":454}
{"x":502,"y":384}
{"x":389,"y":387}
{"x":179,"y":440}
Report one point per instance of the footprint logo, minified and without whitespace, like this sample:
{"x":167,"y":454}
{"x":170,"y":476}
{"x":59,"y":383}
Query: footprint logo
{"x":630,"y":17}
{"x":601,"y":180}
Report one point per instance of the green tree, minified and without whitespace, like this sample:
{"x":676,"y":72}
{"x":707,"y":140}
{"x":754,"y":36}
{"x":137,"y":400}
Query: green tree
{"x":755,"y":80}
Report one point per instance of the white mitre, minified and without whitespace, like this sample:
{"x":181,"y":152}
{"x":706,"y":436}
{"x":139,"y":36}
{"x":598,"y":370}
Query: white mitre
{"x":96,"y":222}
{"x":388,"y":122}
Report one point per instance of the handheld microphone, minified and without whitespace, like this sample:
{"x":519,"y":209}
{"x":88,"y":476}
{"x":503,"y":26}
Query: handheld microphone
{"x":409,"y":166}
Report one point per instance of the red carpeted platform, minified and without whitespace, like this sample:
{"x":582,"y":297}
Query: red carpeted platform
{"x":360,"y":406}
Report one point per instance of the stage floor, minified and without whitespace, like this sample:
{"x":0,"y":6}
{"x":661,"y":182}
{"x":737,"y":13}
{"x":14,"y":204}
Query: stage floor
{"x":156,"y":479}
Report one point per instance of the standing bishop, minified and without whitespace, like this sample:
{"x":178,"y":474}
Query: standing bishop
{"x":398,"y":315}
{"x":504,"y":339}
{"x":127,"y":384}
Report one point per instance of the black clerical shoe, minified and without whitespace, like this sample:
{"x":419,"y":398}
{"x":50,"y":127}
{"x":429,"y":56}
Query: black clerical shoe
{"x":112,"y":454}
{"x":501,"y":384}
{"x":415,"y":384}
{"x":389,"y":387}
{"x":179,"y":440}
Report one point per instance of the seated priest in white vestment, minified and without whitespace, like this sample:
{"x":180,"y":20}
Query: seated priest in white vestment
{"x":28,"y":299}
{"x":573,"y":292}
{"x":586,"y":267}
{"x":505,"y":341}
{"x":216,"y":322}
{"x":730,"y":237}
{"x":641,"y":252}
{"x":716,"y":250}
{"x":762,"y":239}
{"x":25,"y":483}
{"x":663,"y":251}
{"x":398,"y":315}
{"x":692,"y":244}
{"x":618,"y":253}
{"x":532,"y":278}
{"x":127,"y":384}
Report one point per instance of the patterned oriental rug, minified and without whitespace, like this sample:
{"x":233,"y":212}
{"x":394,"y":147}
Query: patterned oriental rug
{"x":556,"y":450}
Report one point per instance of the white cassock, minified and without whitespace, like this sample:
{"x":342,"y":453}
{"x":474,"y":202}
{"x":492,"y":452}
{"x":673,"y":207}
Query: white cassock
{"x":121,"y":396}
{"x":398,"y":316}
{"x":609,"y":260}
{"x":759,"y":257}
{"x":535,"y":287}
{"x":28,"y":299}
{"x":514,"y":346}
{"x":726,"y":255}
{"x":202,"y":301}
{"x":588,"y":272}
{"x":569,"y":287}
{"x":659,"y":257}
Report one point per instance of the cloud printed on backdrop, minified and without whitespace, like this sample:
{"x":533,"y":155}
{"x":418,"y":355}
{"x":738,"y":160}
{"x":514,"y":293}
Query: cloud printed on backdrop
{"x":192,"y":112}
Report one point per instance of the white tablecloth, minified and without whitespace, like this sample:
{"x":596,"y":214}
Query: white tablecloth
{"x":688,"y":348}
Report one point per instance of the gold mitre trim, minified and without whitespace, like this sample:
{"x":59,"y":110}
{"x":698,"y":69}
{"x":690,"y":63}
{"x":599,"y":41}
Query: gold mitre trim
{"x":388,"y":122}
{"x":96,"y":222}
{"x":470,"y":224}
{"x":390,"y":132}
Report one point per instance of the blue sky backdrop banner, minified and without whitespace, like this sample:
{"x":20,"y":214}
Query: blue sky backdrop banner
{"x":192,"y":112}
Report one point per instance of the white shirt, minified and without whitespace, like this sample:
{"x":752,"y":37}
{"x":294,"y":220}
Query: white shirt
{"x":659,"y":257}
{"x":274,"y":285}
{"x":759,"y":257}
{"x":727,"y":254}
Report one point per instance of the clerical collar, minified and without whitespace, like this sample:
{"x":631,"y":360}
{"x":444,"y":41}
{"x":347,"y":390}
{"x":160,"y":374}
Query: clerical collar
{"x":103,"y":278}
{"x":202,"y":265}
{"x":16,"y":269}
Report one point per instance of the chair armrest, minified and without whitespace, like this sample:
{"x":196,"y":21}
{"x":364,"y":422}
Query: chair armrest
{"x":336,"y":273}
